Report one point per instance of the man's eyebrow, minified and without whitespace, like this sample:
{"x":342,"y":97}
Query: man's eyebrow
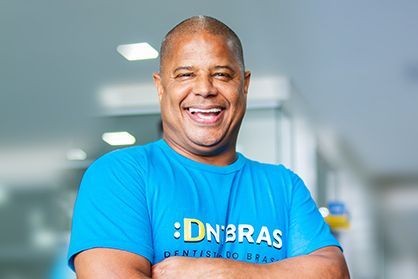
{"x":220,"y":67}
{"x":183,"y":68}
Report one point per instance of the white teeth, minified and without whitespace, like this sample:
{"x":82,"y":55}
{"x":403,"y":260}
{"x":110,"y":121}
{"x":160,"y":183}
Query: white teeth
{"x":212,"y":110}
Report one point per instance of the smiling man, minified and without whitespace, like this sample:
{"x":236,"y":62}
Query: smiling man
{"x":189,"y":205}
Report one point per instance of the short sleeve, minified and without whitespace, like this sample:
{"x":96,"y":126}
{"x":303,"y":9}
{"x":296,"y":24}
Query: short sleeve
{"x":111,"y":208}
{"x":307,"y":228}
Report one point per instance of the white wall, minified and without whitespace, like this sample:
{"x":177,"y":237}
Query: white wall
{"x":360,"y":241}
{"x":258,"y":139}
{"x":305,"y":154}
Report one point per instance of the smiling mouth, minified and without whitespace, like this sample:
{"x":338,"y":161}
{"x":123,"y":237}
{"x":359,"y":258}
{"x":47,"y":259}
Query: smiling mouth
{"x":208,"y":116}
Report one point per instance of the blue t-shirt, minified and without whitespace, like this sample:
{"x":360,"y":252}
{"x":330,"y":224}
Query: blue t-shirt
{"x":154,"y":202}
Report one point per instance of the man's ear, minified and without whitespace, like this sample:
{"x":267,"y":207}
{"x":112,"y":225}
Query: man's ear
{"x":157,"y":82}
{"x":247,"y":77}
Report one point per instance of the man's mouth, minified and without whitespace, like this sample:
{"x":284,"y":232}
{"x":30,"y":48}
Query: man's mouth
{"x":205,"y":115}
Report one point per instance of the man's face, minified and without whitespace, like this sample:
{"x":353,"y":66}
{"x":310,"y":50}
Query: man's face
{"x":202,"y":91}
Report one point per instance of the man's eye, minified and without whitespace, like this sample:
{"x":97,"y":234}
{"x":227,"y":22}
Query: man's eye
{"x":185,"y":75}
{"x":223,"y":75}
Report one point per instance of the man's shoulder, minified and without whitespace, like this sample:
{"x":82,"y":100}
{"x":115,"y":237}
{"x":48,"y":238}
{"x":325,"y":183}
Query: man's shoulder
{"x":268,"y":167}
{"x":275,"y":171}
{"x":128,"y":157}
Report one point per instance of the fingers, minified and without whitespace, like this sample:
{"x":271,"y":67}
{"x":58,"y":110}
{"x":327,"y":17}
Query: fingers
{"x":158,"y":271}
{"x":168,"y":268}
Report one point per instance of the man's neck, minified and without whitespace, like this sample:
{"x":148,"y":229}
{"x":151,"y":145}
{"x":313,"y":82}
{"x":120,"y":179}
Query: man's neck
{"x":223,"y":158}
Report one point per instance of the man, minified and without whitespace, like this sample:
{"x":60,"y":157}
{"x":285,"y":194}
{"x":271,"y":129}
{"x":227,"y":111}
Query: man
{"x":189,"y":205}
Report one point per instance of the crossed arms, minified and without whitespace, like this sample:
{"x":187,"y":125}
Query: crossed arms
{"x":323,"y":263}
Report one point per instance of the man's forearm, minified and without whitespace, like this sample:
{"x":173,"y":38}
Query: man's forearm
{"x":322,"y":264}
{"x":306,"y":267}
{"x":111,"y":264}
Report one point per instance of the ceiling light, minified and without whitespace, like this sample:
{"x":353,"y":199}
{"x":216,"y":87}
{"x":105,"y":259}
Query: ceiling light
{"x":118,"y":138}
{"x":44,"y":238}
{"x":140,"y":51}
{"x":76,"y":154}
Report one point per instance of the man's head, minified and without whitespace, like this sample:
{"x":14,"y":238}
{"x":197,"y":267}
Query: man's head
{"x":197,"y":24}
{"x":202,"y":87}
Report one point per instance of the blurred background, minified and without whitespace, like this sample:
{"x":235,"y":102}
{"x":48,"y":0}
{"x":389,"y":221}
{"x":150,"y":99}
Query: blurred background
{"x":334,"y":96}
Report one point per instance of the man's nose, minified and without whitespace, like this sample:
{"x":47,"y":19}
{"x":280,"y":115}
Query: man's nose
{"x":204,"y":86}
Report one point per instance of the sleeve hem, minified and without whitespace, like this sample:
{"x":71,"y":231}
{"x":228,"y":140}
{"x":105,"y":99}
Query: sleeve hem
{"x":313,"y":247}
{"x":141,"y":250}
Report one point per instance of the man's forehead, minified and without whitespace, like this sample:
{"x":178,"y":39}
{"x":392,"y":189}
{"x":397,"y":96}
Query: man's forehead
{"x":190,"y":45}
{"x":218,"y":49}
{"x":203,"y":37}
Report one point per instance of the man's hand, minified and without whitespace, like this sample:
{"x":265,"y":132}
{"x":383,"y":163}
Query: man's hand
{"x":324,"y":263}
{"x":175,"y":267}
{"x":184,"y":267}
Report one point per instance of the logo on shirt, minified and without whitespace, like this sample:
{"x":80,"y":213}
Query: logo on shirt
{"x":194,"y":230}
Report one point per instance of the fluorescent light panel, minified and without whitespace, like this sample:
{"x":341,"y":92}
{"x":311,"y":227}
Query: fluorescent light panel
{"x":139,"y":51}
{"x":76,"y":154}
{"x":118,"y":138}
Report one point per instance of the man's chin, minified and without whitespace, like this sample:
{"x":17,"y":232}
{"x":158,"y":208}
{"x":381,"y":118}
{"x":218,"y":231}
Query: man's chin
{"x":207,"y":145}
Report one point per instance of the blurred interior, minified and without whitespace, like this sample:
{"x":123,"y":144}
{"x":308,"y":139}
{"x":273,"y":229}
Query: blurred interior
{"x":334,"y":96}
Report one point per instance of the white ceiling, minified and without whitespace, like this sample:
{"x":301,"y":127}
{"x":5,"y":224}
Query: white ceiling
{"x":355,"y":63}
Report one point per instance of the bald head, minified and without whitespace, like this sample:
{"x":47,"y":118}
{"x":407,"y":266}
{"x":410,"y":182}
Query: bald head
{"x":198,"y":24}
